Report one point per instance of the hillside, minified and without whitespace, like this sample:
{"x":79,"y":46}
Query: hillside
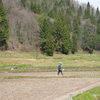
{"x":52,"y":25}
{"x":23,"y":27}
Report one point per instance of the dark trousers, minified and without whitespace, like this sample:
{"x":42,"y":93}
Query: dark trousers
{"x":60,"y":71}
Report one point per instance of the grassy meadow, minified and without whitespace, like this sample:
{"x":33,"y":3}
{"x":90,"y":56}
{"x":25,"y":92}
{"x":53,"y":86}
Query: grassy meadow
{"x":93,"y":94}
{"x":28,"y":62}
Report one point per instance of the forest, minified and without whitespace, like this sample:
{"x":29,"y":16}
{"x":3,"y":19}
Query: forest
{"x":65,"y":26}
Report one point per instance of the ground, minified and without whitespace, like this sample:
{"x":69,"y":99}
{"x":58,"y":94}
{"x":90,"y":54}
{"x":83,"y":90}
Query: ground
{"x":45,"y":88}
{"x":27,"y":76}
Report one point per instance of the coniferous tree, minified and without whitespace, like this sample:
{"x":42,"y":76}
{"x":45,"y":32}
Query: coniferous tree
{"x":57,"y":32}
{"x":87,"y":11}
{"x":88,"y":37}
{"x":49,"y":45}
{"x":75,"y":34}
{"x":74,"y":44}
{"x":46,"y":38}
{"x":97,"y":42}
{"x":65,"y":43}
{"x":98,"y":28}
{"x":98,"y":25}
{"x":62,"y":36}
{"x":3,"y":26}
{"x":80,"y":12}
{"x":92,"y":17}
{"x":97,"y":12}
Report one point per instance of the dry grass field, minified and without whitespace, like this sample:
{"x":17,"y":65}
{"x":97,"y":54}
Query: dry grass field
{"x":26,"y":62}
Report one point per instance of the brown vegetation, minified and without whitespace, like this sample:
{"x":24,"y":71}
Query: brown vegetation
{"x":23,"y":28}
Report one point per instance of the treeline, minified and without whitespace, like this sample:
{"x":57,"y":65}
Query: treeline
{"x":54,"y":36}
{"x":66,"y":26}
{"x":3,"y":27}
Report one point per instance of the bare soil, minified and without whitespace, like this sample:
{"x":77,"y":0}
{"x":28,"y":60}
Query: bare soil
{"x":44,"y":88}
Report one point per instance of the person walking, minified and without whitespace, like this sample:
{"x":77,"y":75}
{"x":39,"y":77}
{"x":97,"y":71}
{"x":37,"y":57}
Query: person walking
{"x":60,"y":69}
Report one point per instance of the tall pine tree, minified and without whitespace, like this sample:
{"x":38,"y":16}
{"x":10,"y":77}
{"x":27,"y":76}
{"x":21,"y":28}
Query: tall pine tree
{"x":98,"y":25}
{"x":65,"y":41}
{"x":61,"y":33}
{"x":88,"y":36}
{"x":97,"y":12}
{"x":80,"y":11}
{"x":75,"y":34}
{"x":57,"y":32}
{"x":46,"y":38}
{"x":87,"y":11}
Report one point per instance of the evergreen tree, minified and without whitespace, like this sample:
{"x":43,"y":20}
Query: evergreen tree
{"x":97,"y":12}
{"x":46,"y":38}
{"x":49,"y":45}
{"x":3,"y":26}
{"x":92,"y":17}
{"x":87,"y":11}
{"x":80,"y":12}
{"x":97,"y":42}
{"x":98,"y":26}
{"x":76,"y":23}
{"x":57,"y":32}
{"x":88,"y":36}
{"x":62,"y":35}
{"x":65,"y":41}
{"x":74,"y":44}
{"x":75,"y":34}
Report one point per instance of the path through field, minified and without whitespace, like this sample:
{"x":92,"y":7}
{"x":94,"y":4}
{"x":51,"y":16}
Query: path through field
{"x":81,"y":73}
{"x":44,"y":88}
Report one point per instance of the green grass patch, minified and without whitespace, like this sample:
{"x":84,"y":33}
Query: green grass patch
{"x":30,"y":62}
{"x":64,"y":76}
{"x":93,"y":94}
{"x":31,"y":68}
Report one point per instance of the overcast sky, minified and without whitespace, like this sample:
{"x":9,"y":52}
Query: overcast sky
{"x":95,"y":3}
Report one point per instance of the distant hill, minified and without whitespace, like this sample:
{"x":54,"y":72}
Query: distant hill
{"x":25,"y":17}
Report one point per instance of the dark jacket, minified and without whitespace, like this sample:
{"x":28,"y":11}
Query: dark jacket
{"x":59,"y":67}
